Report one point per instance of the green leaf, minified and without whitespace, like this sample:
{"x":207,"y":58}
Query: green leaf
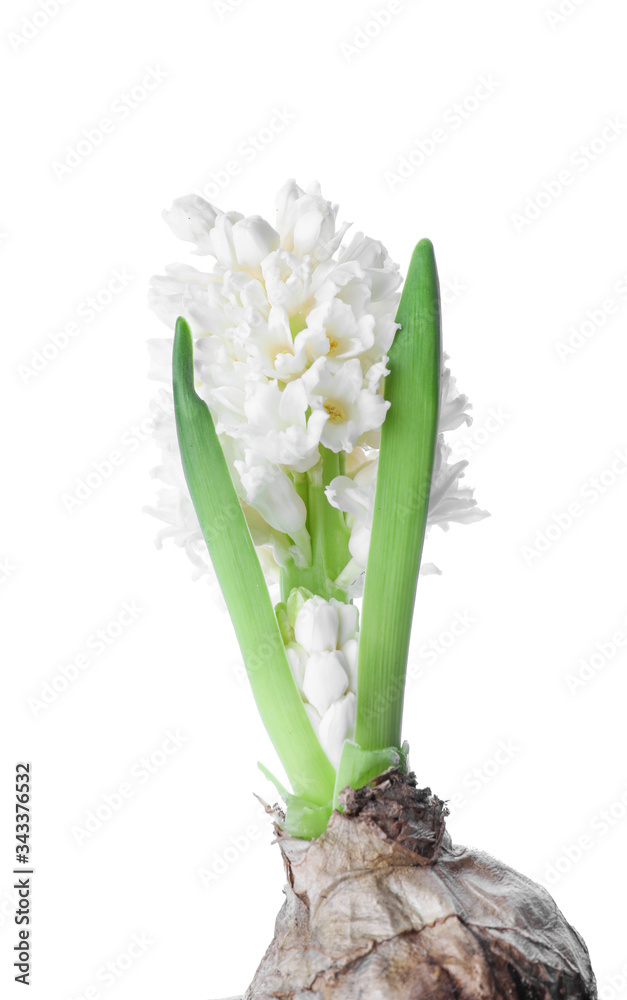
{"x":401,"y":504}
{"x":241,"y":579}
{"x":303,"y":819}
{"x":357,"y":766}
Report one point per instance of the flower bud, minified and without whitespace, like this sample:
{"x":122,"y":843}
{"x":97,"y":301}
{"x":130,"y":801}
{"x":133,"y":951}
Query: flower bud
{"x":337,"y":725}
{"x":326,"y":679}
{"x":316,"y":627}
{"x":282,"y":617}
{"x":192,"y":218}
{"x":295,"y":602}
{"x":254,"y":239}
{"x":348,"y":615}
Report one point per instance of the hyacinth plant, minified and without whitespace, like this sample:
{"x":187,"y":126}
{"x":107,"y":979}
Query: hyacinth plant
{"x":285,"y":440}
{"x":304,"y":463}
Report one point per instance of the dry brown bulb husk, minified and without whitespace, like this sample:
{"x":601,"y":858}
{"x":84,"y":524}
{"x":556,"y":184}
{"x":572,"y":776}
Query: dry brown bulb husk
{"x":383,"y":906}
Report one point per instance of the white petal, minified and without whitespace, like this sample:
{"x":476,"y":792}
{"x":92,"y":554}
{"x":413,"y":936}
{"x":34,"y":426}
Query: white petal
{"x":337,"y":725}
{"x":350,"y":650}
{"x":306,"y":222}
{"x":448,"y":500}
{"x":347,"y":495}
{"x":287,"y":279}
{"x":453,"y":405}
{"x":326,"y":679}
{"x":222,"y":242}
{"x":359,"y":543}
{"x":254,"y":239}
{"x":275,"y":543}
{"x":270,"y":492}
{"x":293,"y":404}
{"x":285,"y":200}
{"x":307,"y":232}
{"x":316,"y":627}
{"x":349,"y":621}
{"x":192,"y":218}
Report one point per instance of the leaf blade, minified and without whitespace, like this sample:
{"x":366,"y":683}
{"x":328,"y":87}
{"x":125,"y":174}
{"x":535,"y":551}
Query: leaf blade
{"x":401,"y":505}
{"x":241,"y":579}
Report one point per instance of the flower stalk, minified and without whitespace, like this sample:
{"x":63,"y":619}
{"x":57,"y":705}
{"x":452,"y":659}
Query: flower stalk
{"x":328,"y":531}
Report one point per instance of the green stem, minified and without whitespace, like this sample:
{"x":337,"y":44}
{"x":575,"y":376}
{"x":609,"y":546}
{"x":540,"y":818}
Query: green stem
{"x":401,"y":505}
{"x":335,"y":534}
{"x":243,"y":585}
{"x":329,"y":535}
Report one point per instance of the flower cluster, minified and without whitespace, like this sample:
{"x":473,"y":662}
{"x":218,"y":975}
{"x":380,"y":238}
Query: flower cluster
{"x":292,"y":332}
{"x":292,"y":327}
{"x":321,"y":642}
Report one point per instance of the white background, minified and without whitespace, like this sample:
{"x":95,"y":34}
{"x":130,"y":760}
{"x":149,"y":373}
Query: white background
{"x":521,"y":288}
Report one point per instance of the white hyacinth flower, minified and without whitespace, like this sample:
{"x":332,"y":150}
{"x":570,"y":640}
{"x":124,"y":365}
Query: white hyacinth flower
{"x":265,"y":487}
{"x":192,"y":219}
{"x":351,"y":410}
{"x":291,"y":332}
{"x":307,"y":222}
{"x":286,"y":337}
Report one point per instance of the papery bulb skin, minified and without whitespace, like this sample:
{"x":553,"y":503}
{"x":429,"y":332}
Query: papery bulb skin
{"x":383,"y":906}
